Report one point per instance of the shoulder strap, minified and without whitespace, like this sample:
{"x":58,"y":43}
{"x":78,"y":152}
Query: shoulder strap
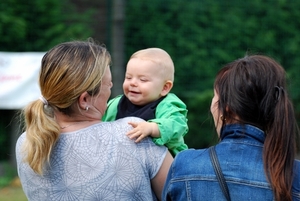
{"x":218,"y":171}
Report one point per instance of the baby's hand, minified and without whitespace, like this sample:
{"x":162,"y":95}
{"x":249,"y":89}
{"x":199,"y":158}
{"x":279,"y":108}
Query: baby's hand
{"x":141,"y":130}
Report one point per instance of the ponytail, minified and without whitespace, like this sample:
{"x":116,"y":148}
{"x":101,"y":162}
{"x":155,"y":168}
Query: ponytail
{"x":280,"y":148}
{"x":42,"y":132}
{"x":63,"y":78}
{"x":253,"y":88}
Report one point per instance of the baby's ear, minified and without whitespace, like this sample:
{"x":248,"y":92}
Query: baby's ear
{"x":167,"y":88}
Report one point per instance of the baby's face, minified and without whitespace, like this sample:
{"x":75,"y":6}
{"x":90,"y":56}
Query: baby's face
{"x":143,"y":81}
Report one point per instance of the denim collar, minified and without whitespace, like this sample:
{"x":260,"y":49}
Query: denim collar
{"x":239,"y":130}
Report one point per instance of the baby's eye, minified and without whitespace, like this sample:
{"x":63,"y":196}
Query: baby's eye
{"x":143,"y":79}
{"x":127,"y":78}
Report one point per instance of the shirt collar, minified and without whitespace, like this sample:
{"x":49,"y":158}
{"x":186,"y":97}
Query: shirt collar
{"x":239,"y":130}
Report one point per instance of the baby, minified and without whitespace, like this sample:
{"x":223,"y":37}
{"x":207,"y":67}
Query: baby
{"x":148,"y":80}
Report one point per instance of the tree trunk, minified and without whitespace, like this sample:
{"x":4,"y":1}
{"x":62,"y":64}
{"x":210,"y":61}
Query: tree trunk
{"x":117,"y":52}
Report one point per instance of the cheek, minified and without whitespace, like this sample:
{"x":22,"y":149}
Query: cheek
{"x":213,"y":106}
{"x":125,"y":85}
{"x":214,"y":109}
{"x":148,"y":89}
{"x":109,"y":93}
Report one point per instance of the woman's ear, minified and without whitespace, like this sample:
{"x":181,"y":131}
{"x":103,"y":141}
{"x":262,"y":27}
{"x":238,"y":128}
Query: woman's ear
{"x":84,"y":100}
{"x":167,"y":88}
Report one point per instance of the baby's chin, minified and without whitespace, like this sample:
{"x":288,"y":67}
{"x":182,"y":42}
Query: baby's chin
{"x":137,"y":102}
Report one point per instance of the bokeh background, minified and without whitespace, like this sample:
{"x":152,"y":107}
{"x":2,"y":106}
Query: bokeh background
{"x":200,"y":35}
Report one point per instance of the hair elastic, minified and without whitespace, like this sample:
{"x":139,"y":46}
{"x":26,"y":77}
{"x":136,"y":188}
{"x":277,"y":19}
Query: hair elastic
{"x":43,"y":100}
{"x":278,"y":92}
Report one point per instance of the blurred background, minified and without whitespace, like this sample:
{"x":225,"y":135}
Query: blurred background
{"x":200,"y":35}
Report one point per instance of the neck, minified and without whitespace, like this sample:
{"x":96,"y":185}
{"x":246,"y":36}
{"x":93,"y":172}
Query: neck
{"x":72,"y":124}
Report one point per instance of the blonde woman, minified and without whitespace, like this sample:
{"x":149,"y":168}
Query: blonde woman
{"x":66,"y":153}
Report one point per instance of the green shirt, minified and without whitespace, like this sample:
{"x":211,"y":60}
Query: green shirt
{"x":171,"y":118}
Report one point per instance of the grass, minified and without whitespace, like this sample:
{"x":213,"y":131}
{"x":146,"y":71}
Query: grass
{"x":10,"y":185}
{"x":12,"y":193}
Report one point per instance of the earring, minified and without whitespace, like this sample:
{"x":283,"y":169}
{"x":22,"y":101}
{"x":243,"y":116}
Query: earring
{"x":222,"y":118}
{"x":86,"y":108}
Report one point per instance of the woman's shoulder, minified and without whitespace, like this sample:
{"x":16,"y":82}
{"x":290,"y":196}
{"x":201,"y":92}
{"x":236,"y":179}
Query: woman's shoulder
{"x":118,"y":129}
{"x":20,"y":139}
{"x":296,"y":182}
{"x":122,"y":123}
{"x":116,"y":124}
{"x":190,"y":162}
{"x":128,"y":119}
{"x":191,"y":156}
{"x":18,"y":147}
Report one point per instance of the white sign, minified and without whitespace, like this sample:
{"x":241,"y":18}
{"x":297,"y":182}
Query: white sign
{"x":19,"y":74}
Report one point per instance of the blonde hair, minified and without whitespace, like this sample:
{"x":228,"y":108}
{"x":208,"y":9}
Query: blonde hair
{"x":67,"y":70}
{"x":160,"y":57}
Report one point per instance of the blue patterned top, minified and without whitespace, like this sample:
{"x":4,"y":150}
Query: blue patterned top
{"x":95,"y":163}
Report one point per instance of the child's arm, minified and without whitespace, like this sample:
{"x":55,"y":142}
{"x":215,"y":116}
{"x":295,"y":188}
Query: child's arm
{"x":169,"y":126}
{"x":142,"y":130}
{"x":171,"y":119}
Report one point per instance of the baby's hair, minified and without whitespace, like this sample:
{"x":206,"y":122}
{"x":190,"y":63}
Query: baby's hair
{"x":160,"y":57}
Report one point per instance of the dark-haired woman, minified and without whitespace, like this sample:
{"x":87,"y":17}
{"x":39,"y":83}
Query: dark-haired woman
{"x":255,"y":121}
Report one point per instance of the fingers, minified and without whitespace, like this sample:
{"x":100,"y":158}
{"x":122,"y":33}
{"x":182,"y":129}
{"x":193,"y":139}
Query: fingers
{"x":133,"y":124}
{"x":140,"y":138}
{"x":139,"y":131}
{"x":135,"y":134}
{"x":134,"y":130}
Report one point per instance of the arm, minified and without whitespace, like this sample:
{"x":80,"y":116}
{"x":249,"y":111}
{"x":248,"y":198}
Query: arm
{"x":170,"y":123}
{"x":142,"y":130}
{"x":158,"y":181}
{"x":171,"y":118}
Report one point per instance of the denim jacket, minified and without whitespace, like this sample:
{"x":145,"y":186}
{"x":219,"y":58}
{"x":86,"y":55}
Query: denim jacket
{"x":192,"y":177}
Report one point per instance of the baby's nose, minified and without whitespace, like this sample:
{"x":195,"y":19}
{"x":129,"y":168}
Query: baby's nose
{"x":133,"y":82}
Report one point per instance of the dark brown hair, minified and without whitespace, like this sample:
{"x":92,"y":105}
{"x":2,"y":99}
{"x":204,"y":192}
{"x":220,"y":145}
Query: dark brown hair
{"x":254,"y":90}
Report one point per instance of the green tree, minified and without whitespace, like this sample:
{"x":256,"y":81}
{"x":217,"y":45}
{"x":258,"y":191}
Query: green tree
{"x":38,"y":25}
{"x":202,"y":36}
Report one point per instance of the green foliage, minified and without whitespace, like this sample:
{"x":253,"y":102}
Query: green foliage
{"x":201,"y":126}
{"x":37,"y":25}
{"x":202,"y":36}
{"x":7,"y":173}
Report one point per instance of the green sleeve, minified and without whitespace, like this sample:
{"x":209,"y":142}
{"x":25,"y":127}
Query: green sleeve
{"x":171,"y":118}
{"x":112,"y":109}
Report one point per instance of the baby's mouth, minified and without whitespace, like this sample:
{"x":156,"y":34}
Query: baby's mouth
{"x":134,"y":92}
